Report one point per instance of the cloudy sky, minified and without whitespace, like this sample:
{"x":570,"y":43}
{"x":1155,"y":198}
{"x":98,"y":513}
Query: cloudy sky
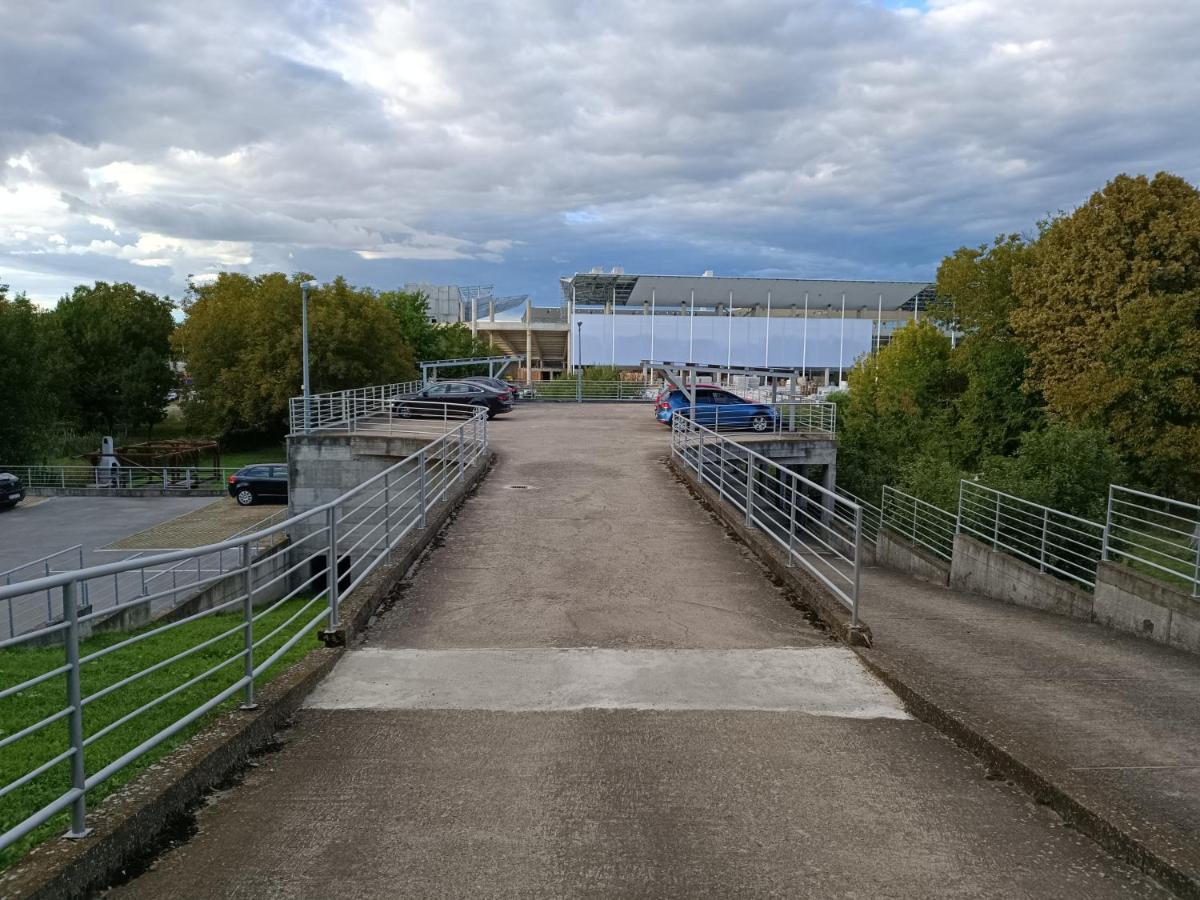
{"x":510,"y":142}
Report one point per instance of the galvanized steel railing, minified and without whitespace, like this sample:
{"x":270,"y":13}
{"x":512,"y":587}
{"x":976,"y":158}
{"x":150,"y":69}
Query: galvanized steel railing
{"x":817,"y":528}
{"x":581,"y":390}
{"x":1054,"y":541}
{"x":919,"y":522}
{"x":166,"y":478}
{"x":1154,"y":533}
{"x":320,"y":557}
{"x":801,"y":417}
{"x":342,"y":410}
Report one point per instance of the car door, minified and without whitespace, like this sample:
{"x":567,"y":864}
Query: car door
{"x":279,"y":482}
{"x":706,"y":410}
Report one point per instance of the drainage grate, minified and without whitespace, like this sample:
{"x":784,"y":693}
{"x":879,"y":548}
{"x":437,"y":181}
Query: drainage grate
{"x":517,"y":487}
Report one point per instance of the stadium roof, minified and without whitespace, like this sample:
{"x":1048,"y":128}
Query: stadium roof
{"x":597,"y":288}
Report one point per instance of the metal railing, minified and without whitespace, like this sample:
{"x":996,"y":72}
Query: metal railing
{"x":872,"y":515}
{"x":782,"y":418}
{"x":330,"y":550}
{"x":1155,"y":533}
{"x":580,"y":390}
{"x":339,"y":410}
{"x":818,"y":528}
{"x":919,"y":522}
{"x":166,"y":478}
{"x":1056,"y":542}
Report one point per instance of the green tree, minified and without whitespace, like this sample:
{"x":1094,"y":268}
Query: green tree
{"x":432,"y":340}
{"x":1110,"y":313}
{"x":241,"y":342}
{"x":116,"y":354}
{"x":976,"y":298}
{"x":27,"y":382}
{"x":900,"y":405}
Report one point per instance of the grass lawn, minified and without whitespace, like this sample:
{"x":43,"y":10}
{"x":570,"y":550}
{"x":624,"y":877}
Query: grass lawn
{"x":272,"y":452}
{"x":42,"y":700}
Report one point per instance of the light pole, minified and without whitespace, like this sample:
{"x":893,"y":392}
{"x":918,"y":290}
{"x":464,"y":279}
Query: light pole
{"x":304,"y":287}
{"x":579,"y":345}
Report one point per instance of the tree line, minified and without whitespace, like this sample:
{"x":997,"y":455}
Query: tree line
{"x":106,"y":357}
{"x":1075,"y":362}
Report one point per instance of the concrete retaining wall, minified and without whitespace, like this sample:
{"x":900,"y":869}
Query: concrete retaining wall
{"x":895,"y":552}
{"x":979,"y":569}
{"x":1127,"y":600}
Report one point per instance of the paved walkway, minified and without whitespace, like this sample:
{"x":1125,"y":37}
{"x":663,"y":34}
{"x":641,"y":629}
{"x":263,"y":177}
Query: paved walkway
{"x":589,"y":689}
{"x":1111,"y":719}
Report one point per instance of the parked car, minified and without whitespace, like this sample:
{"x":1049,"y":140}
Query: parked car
{"x":263,"y":481}
{"x":418,"y":403}
{"x":12,"y":491}
{"x":718,"y":408}
{"x":498,"y":383}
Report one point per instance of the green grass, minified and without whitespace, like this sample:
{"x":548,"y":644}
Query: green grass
{"x":269,"y":452}
{"x":42,"y":700}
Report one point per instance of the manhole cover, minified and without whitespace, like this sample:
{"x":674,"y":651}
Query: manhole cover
{"x":518,"y":487}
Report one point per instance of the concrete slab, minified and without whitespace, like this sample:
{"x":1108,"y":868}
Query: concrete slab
{"x":824,"y":681}
{"x":386,"y":804}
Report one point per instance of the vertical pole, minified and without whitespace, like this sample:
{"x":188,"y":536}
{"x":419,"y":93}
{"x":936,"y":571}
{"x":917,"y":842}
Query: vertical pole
{"x":767,"y":341}
{"x":1045,"y":527}
{"x":461,"y":452}
{"x":529,"y":343}
{"x":996,"y":524}
{"x":699,"y":469}
{"x":304,"y":357}
{"x":879,"y":324}
{"x":331,"y":576}
{"x":75,"y":704}
{"x":424,"y":487}
{"x":387,"y":511}
{"x":12,"y":626}
{"x":841,"y":340}
{"x":804,"y":341}
{"x":691,"y":328}
{"x":571,"y":350}
{"x":792,"y":520}
{"x":721,"y":469}
{"x":1108,"y":516}
{"x":958,"y":512}
{"x":164,"y":477}
{"x":612,"y":360}
{"x":749,"y":488}
{"x":857,"y":565}
{"x":729,"y":335}
{"x":247,"y":629}
{"x":652,"y":314}
{"x":49,"y":593}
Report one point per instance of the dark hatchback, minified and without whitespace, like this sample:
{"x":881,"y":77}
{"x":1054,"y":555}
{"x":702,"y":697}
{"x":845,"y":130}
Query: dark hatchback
{"x":420,"y":404}
{"x":12,"y":491}
{"x":261,"y":482}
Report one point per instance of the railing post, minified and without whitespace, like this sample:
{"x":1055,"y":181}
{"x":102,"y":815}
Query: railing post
{"x":387,"y":512}
{"x":958,"y":512}
{"x":424,"y":486}
{"x":248,"y":701}
{"x":857,"y":566}
{"x":1045,"y":528}
{"x":12,"y":626}
{"x":791,"y":562}
{"x":700,"y":458}
{"x":461,"y":451}
{"x":1108,"y":515}
{"x":721,"y":469}
{"x":75,"y":721}
{"x":749,"y":488}
{"x":331,"y":576}
{"x":996,"y":523}
{"x":914,"y":520}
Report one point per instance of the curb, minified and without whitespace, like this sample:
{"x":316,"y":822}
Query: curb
{"x":133,"y":818}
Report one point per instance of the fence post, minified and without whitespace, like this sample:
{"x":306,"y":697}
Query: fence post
{"x":857,"y":565}
{"x":996,"y":524}
{"x":424,"y":491}
{"x":721,"y":470}
{"x":387,"y":512}
{"x":1045,"y":528}
{"x":579,"y":385}
{"x":461,"y":451}
{"x":12,"y":628}
{"x":331,"y":576}
{"x":749,"y":489}
{"x":792,"y":523}
{"x":914,"y":521}
{"x":75,"y":722}
{"x":958,"y":512}
{"x":1107,"y":526}
{"x":700,"y":458}
{"x":248,"y":702}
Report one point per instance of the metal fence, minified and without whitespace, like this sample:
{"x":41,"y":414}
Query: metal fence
{"x":1156,"y":534}
{"x":1054,"y":541}
{"x":819,"y":529}
{"x":781,"y":418}
{"x":341,"y":410}
{"x":330,"y":550}
{"x":872,"y":515}
{"x":919,"y":522}
{"x":166,"y":478}
{"x":581,"y":390}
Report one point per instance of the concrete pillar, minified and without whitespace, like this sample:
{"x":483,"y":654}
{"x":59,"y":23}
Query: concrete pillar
{"x":827,"y":376}
{"x":829,"y":482}
{"x":528,"y":343}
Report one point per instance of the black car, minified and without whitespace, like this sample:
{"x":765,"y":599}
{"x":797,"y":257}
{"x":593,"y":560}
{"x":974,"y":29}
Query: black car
{"x":12,"y":491}
{"x":471,"y":393}
{"x":264,"y":481}
{"x":498,"y":383}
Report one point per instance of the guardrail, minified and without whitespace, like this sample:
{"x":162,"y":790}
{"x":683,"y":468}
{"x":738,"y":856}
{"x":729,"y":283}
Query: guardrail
{"x":801,"y":417}
{"x":872,"y":516}
{"x":166,"y":478}
{"x":331,"y":550}
{"x":338,"y":410}
{"x":819,"y":529}
{"x":581,"y":390}
{"x":1156,"y":533}
{"x":919,"y":522}
{"x":1054,"y":541}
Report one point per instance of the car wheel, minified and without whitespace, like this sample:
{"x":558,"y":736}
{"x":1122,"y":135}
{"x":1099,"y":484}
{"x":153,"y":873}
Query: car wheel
{"x":244,"y":496}
{"x":760,"y":422}
{"x":404,"y":412}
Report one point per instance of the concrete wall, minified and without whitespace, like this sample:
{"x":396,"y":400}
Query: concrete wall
{"x":1129,"y":601}
{"x":895,"y":552}
{"x":979,"y":569}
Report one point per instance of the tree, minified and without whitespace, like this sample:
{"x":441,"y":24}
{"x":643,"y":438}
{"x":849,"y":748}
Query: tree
{"x":27,"y":382}
{"x":116,"y":362}
{"x":241,"y":342}
{"x":1110,"y":313}
{"x":431,"y":340}
{"x":900,"y":405}
{"x":975,"y":297}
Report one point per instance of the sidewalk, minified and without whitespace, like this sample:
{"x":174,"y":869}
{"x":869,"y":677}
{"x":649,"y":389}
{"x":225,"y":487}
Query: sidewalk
{"x":1102,"y":726}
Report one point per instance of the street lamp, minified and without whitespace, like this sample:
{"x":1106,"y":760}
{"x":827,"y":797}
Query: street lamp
{"x":579,"y":345}
{"x":304,"y":288}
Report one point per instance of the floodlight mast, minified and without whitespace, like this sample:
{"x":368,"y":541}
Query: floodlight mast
{"x":304,"y":288}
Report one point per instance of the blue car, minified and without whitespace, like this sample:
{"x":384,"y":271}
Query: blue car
{"x":717,"y":408}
